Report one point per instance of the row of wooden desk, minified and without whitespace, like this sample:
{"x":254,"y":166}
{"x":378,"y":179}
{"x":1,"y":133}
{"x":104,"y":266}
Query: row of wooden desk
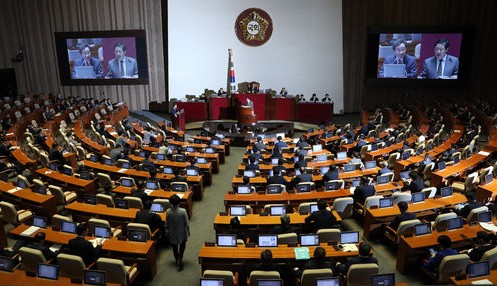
{"x":45,"y":205}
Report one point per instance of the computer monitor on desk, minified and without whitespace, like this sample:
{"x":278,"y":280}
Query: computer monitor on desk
{"x":348,"y":168}
{"x":277,"y":210}
{"x":40,"y":221}
{"x":269,"y":282}
{"x":370,"y":165}
{"x":417,"y":197}
{"x":394,"y":71}
{"x":422,"y":229}
{"x":102,"y":231}
{"x":309,"y":239}
{"x":485,"y":216}
{"x":454,"y":223}
{"x":328,"y":281}
{"x":446,"y":192}
{"x":479,"y":269}
{"x":268,"y":240}
{"x":69,"y":227}
{"x":386,"y":202}
{"x":387,"y":279}
{"x":48,"y":271}
{"x":6,"y":264}
{"x":238,"y":210}
{"x":243,"y":190}
{"x":349,"y":237}
{"x":211,"y":282}
{"x":226,"y":240}
{"x":249,"y":173}
{"x":341,"y":155}
{"x":94,"y":277}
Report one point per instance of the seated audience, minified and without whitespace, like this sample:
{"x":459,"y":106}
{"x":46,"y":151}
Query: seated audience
{"x":83,"y":248}
{"x":445,"y":244}
{"x":322,"y":218}
{"x":365,"y":256}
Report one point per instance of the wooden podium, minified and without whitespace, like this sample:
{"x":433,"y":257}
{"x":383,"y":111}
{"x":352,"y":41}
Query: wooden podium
{"x":247,"y":116}
{"x":179,"y":121}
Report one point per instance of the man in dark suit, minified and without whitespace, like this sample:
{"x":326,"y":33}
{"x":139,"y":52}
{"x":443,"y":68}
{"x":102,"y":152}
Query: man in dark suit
{"x":280,"y":143}
{"x":441,"y":65}
{"x":285,"y":226}
{"x":484,"y":244}
{"x":151,"y":219}
{"x":83,"y":248}
{"x":445,"y":244}
{"x":259,"y":143}
{"x":319,"y":261}
{"x":303,"y":177}
{"x":331,"y":174}
{"x":403,"y":216}
{"x":400,"y":57}
{"x":40,"y":244}
{"x":365,"y":256}
{"x":363,"y":191}
{"x":300,"y":162}
{"x":322,"y":218}
{"x":470,"y":205}
{"x":88,"y":61}
{"x":416,"y":184}
{"x":139,"y":192}
{"x":278,"y":168}
{"x":122,"y":66}
{"x":276,"y":179}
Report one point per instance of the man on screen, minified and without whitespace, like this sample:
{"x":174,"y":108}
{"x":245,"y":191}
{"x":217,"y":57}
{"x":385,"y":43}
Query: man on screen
{"x":87,"y":60}
{"x":122,"y":66}
{"x":441,"y":65}
{"x":400,"y":57}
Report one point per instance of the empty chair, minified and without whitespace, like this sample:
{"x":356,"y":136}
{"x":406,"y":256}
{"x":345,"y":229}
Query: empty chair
{"x":491,"y":256}
{"x":93,"y":222}
{"x":57,"y":220}
{"x":309,"y":276}
{"x":116,"y":271}
{"x":81,"y":152}
{"x":427,"y":173}
{"x":452,"y":265}
{"x":71,"y":266}
{"x":26,"y":182}
{"x":134,"y":202}
{"x":30,"y":258}
{"x":305,"y":207}
{"x":468,"y":185}
{"x":103,"y":199}
{"x":228,"y":276}
{"x":104,"y":180}
{"x":404,"y":227}
{"x":61,"y":197}
{"x":329,"y":234}
{"x":431,"y":191}
{"x":164,"y":202}
{"x":360,"y":274}
{"x":143,"y":227}
{"x":344,"y":206}
{"x":372,"y":201}
{"x":473,"y":214}
{"x":257,"y":275}
{"x":441,"y":220}
{"x":13,"y":216}
{"x":401,"y":197}
{"x":286,"y":238}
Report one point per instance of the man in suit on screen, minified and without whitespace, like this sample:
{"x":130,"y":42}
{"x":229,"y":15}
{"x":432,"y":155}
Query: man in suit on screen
{"x":122,"y":66}
{"x":441,"y":65}
{"x":87,"y":60}
{"x":400,"y":57}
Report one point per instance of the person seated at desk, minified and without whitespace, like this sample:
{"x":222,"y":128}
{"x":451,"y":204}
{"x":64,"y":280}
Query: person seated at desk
{"x":301,"y":162}
{"x":277,"y":178}
{"x":403,"y":216}
{"x":283,"y":92}
{"x":445,"y":244}
{"x":441,"y":65}
{"x":81,"y":247}
{"x":363,"y":191}
{"x":303,"y":177}
{"x":146,"y":164}
{"x":253,"y":163}
{"x":301,"y":151}
{"x":465,"y":208}
{"x":139,"y":191}
{"x":285,"y":226}
{"x":276,"y":153}
{"x":235,"y":229}
{"x":427,"y":160}
{"x":319,"y":261}
{"x":331,"y":174}
{"x":266,"y":263}
{"x":149,"y":218}
{"x":416,"y":183}
{"x":365,"y":256}
{"x":192,"y":166}
{"x":165,"y":149}
{"x":400,"y":57}
{"x":314,"y":98}
{"x":116,"y":153}
{"x":149,"y":137}
{"x":483,"y":244}
{"x":280,"y":143}
{"x":356,"y":159}
{"x":178,"y":176}
{"x":259,"y":143}
{"x":384,"y":170}
{"x":153,"y":178}
{"x":326,"y":99}
{"x":278,"y":168}
{"x":40,"y":244}
{"x":56,"y":155}
{"x":322,"y":218}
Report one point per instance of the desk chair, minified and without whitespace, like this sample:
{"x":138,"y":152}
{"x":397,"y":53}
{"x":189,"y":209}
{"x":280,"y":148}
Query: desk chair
{"x":469,"y":183}
{"x":329,"y":234}
{"x":427,"y":173}
{"x":230,"y":279}
{"x":401,"y":197}
{"x":364,"y":150}
{"x":432,"y":191}
{"x":485,"y":171}
{"x":311,"y":184}
{"x":371,"y":201}
{"x":451,"y":265}
{"x":81,"y":152}
{"x":286,"y":238}
{"x":93,"y":222}
{"x":104,"y":180}
{"x":30,"y":258}
{"x":71,"y":266}
{"x":305,"y":207}
{"x":134,"y":202}
{"x":57,"y":220}
{"x":441,"y":220}
{"x":391,"y":160}
{"x":61,"y":197}
{"x":473,"y":214}
{"x":360,"y":274}
{"x":144,"y":227}
{"x":164,"y":202}
{"x":491,"y":256}
{"x":404,"y":227}
{"x":257,"y":275}
{"x":117,"y":272}
{"x":309,"y":276}
{"x":103,"y":199}
{"x":344,"y":206}
{"x":13,"y":216}
{"x":267,"y":207}
{"x":26,"y":182}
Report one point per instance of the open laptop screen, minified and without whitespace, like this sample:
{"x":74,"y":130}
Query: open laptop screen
{"x":321,"y":158}
{"x":40,"y":221}
{"x":94,"y":277}
{"x":332,"y":185}
{"x":349,"y":237}
{"x":456,"y":159}
{"x":387,"y":279}
{"x":441,"y":166}
{"x":201,"y":160}
{"x":394,"y":70}
{"x":211,"y":282}
{"x":126,"y":182}
{"x":370,"y":165}
{"x":137,"y":235}
{"x":404,"y":175}
{"x":215,"y":142}
{"x":151,"y":185}
{"x":478,"y":269}
{"x":90,"y":199}
{"x":454,"y":223}
{"x":313,"y":207}
{"x":277,"y":210}
{"x":268,"y":240}
{"x":309,"y":239}
{"x":210,"y":150}
{"x":48,"y":271}
{"x":6,"y":264}
{"x":69,"y":227}
{"x":341,"y":155}
{"x":422,"y":229}
{"x":102,"y":231}
{"x":53,"y":166}
{"x":108,"y":162}
{"x":93,"y":158}
{"x":190,"y":149}
{"x":488,"y":178}
{"x":226,"y":240}
{"x":323,"y":170}
{"x":317,"y":148}
{"x":418,"y":197}
{"x":386,"y":202}
{"x":381,"y":180}
{"x":176,"y":187}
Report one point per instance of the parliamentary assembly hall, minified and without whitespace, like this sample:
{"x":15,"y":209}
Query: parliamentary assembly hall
{"x":250,"y":142}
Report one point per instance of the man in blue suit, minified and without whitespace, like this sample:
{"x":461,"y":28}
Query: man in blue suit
{"x":441,"y":65}
{"x":400,"y":57}
{"x":122,"y":66}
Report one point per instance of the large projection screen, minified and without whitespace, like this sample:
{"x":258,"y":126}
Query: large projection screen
{"x":304,"y":53}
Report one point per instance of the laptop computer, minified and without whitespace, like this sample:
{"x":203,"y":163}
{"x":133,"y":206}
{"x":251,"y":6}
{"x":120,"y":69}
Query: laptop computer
{"x":201,"y":160}
{"x":102,"y":231}
{"x":349,"y":237}
{"x":69,"y":227}
{"x":386,"y":202}
{"x":269,"y":282}
{"x":387,"y":279}
{"x":167,"y":170}
{"x":268,"y":240}
{"x":478,"y":269}
{"x":211,"y":282}
{"x":277,"y":210}
{"x":446,"y":192}
{"x":323,"y":170}
{"x":383,"y":179}
{"x":303,"y":188}
{"x":6,"y":264}
{"x":394,"y":71}
{"x":48,"y":271}
{"x":238,"y":210}
{"x":328,"y":281}
{"x":191,"y":172}
{"x":180,"y":158}
{"x":321,"y":158}
{"x":417,"y":197}
{"x":141,"y":154}
{"x":485,"y":216}
{"x":226,"y":240}
{"x":422,"y":229}
{"x":317,"y":148}
{"x":309,"y":239}
{"x":370,"y":165}
{"x":274,"y":189}
{"x":331,"y":186}
{"x":349,"y":168}
{"x":243,"y":189}
{"x":121,"y":203}
{"x":157,"y":208}
{"x":40,"y":221}
{"x":84,"y":72}
{"x":249,"y":173}
{"x":137,"y":235}
{"x":341,"y":155}
{"x":151,"y":185}
{"x":454,"y":223}
{"x":126,"y":182}
{"x":94,"y":277}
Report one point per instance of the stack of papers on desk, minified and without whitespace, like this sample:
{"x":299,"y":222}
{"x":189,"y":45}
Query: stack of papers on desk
{"x":122,"y":170}
{"x":30,"y":231}
{"x":148,"y":191}
{"x":55,"y":247}
{"x":482,"y":282}
{"x":13,"y":190}
{"x":349,"y":247}
{"x":489,"y":226}
{"x":95,"y":242}
{"x":180,"y":195}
